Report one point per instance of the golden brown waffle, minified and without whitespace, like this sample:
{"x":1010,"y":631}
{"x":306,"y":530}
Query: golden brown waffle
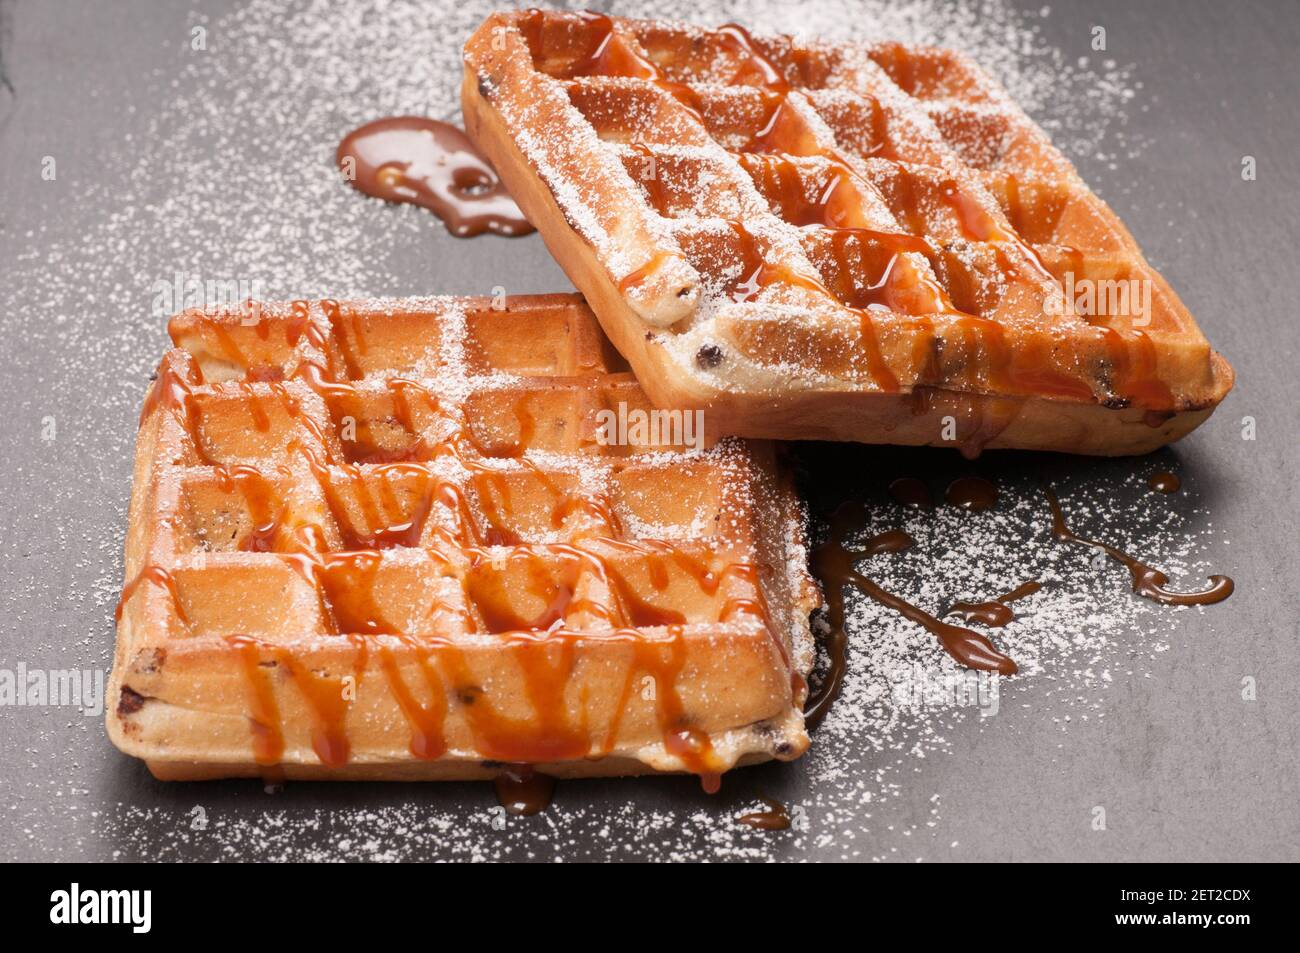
{"x":390,"y":540}
{"x":833,"y":241}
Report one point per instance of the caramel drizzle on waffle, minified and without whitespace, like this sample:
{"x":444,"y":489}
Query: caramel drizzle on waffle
{"x":342,"y":574}
{"x":912,"y":274}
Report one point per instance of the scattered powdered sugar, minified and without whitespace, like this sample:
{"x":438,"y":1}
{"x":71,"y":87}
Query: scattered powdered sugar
{"x":233,"y":178}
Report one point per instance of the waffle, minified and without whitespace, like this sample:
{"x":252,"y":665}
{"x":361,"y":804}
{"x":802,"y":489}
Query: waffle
{"x":842,"y":242}
{"x":394,"y":540}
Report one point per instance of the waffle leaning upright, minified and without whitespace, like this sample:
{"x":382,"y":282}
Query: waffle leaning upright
{"x":834,"y":241}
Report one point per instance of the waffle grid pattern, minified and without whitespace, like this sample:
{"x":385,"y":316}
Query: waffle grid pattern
{"x":878,"y":218}
{"x":416,"y":493}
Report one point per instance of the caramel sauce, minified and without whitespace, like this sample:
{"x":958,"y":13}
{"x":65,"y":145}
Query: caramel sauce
{"x":899,"y":288}
{"x":1134,"y":365}
{"x":261,"y":421}
{"x":756,"y":272}
{"x":523,"y":791}
{"x":489,"y":594}
{"x":690,"y":744}
{"x":757,"y":69}
{"x":1133,"y":361}
{"x":382,"y":531}
{"x":641,"y":613}
{"x":491,"y":486}
{"x":157,"y":576}
{"x":656,"y":186}
{"x":1165,"y":482}
{"x":328,"y":707}
{"x":512,"y":449}
{"x":984,"y":422}
{"x":172,"y":392}
{"x":265,"y":512}
{"x":264,"y":719}
{"x":546,"y":660}
{"x":342,"y":328}
{"x":909,"y":491}
{"x":780,"y":133}
{"x":977,"y":224}
{"x":596,"y":506}
{"x":1010,"y":376}
{"x":972,"y":493}
{"x":426,"y":162}
{"x":997,"y":612}
{"x":348,"y":583}
{"x":428,"y":742}
{"x":1148,"y":581}
{"x":774,"y":817}
{"x":1015,"y":210}
{"x":779,"y":180}
{"x":897,"y":63}
{"x":973,"y":219}
{"x":609,"y":54}
{"x":639,"y":276}
{"x":227,"y":344}
{"x":834,"y":564}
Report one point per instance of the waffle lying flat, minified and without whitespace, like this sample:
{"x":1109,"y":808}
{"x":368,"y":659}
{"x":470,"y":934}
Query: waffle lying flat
{"x":845,"y":242}
{"x":397,"y":539}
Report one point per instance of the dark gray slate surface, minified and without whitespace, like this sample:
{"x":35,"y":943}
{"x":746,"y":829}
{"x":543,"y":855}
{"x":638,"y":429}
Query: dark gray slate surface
{"x":1186,"y":769}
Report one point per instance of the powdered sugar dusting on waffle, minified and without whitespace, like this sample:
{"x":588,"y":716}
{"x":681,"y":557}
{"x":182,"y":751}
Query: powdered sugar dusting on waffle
{"x":352,"y":432}
{"x":813,"y":208}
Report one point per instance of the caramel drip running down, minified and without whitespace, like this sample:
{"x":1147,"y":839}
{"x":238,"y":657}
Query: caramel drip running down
{"x":977,"y":224}
{"x":639,"y":276}
{"x":264,"y":511}
{"x":172,"y":391}
{"x":432,"y":164}
{"x":775,"y":817}
{"x":756,"y":273}
{"x":428,"y":741}
{"x":1132,"y":357}
{"x":264,"y":713}
{"x":325,"y":701}
{"x":1148,"y":581}
{"x":663,"y":660}
{"x":901,"y":287}
{"x":834,"y":565}
{"x":158,"y":576}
